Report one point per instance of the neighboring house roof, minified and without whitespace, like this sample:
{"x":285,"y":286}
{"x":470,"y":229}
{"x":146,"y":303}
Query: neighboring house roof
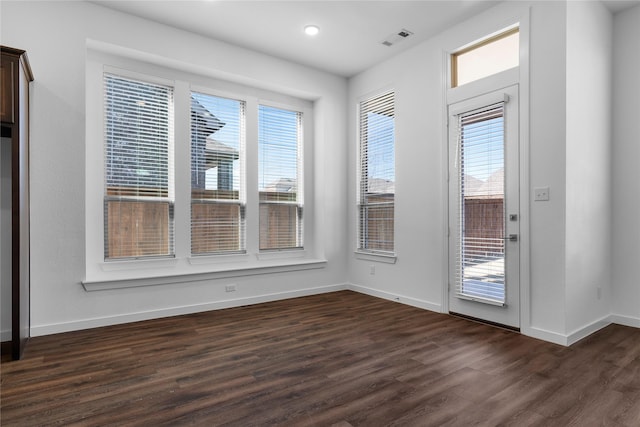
{"x":207,"y":122}
{"x":283,"y":185}
{"x":381,"y":186}
{"x":492,"y":188}
{"x":216,"y":152}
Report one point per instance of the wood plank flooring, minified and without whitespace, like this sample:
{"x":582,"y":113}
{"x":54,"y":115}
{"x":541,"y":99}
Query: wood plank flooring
{"x":340,"y":359}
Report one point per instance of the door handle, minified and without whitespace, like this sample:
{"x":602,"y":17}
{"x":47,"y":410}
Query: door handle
{"x":511,"y":238}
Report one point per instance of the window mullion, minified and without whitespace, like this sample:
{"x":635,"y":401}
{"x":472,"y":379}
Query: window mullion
{"x":252,"y":196}
{"x":182,"y":164}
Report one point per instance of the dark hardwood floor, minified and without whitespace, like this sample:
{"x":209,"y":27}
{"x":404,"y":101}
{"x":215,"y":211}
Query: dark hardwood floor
{"x":342,"y":359}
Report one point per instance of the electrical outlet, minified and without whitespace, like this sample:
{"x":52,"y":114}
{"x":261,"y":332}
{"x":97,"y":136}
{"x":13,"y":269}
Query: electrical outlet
{"x":372,"y":269}
{"x":541,"y":194}
{"x":230,"y":288}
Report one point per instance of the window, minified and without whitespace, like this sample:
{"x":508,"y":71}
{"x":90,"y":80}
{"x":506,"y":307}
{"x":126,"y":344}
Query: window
{"x":139,"y":172}
{"x":139,"y":199}
{"x":488,"y":57}
{"x":481,"y":212}
{"x":279,"y":178}
{"x":376,"y":190}
{"x":197,"y":177}
{"x":217,"y":175}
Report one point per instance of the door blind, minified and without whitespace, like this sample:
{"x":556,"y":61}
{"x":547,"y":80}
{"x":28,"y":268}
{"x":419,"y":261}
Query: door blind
{"x":279,"y":178}
{"x":217,"y":175}
{"x":377,"y":174}
{"x":139,"y":199}
{"x":481,"y":213}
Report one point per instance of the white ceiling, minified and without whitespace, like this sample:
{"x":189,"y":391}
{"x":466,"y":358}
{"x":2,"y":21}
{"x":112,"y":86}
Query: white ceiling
{"x":350,"y":36}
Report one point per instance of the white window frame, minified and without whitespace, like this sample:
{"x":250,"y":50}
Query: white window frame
{"x":300,"y":178}
{"x":363,"y":253}
{"x":242,"y":199}
{"x":486,"y":41}
{"x":184,"y":267}
{"x":170,"y":197}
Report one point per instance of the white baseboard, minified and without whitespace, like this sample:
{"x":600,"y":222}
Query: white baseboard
{"x":619,"y":319}
{"x":587,"y":330}
{"x":39,"y":330}
{"x":553,"y":337}
{"x":5,"y":335}
{"x":583,"y":332}
{"x":544,"y":335}
{"x":566,"y":339}
{"x":396,"y":297}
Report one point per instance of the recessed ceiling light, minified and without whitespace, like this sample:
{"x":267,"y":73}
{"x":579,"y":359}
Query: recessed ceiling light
{"x":311,"y":30}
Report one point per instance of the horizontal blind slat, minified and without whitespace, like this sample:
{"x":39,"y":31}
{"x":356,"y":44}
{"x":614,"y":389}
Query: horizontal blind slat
{"x":139,"y":166}
{"x":217,"y":175}
{"x":279,"y":178}
{"x":480,"y":244}
{"x":376,"y":186}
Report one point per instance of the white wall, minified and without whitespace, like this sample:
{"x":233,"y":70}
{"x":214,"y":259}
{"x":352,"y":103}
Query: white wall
{"x":626,"y":175}
{"x":417,"y":76}
{"x":547,"y":159}
{"x":55,"y":36}
{"x":5,"y":239}
{"x":556,"y":265}
{"x":416,"y":278}
{"x":570,"y":287}
{"x":589,"y":101}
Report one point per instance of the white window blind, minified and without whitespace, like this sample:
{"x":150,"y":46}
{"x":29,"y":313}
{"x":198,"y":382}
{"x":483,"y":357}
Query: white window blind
{"x":139,"y":199}
{"x":217,"y":175}
{"x":376,"y":190}
{"x":481,"y":213}
{"x":279,"y":182}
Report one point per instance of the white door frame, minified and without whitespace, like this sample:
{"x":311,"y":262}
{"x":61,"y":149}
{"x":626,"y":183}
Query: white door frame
{"x":517,"y":76}
{"x":476,"y":29}
{"x":507,"y":314}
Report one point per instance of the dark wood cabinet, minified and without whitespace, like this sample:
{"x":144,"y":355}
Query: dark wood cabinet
{"x":15,"y":76}
{"x":6,"y":90}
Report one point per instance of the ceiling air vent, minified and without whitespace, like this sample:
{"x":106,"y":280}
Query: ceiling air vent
{"x":397,"y":37}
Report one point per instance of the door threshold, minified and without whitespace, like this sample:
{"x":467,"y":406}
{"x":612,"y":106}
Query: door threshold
{"x":486,"y":322}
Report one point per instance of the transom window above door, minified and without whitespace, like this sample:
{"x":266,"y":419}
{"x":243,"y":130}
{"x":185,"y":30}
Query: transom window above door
{"x":486,"y":57}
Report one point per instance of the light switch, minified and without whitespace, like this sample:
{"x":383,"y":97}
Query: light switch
{"x":541,"y":194}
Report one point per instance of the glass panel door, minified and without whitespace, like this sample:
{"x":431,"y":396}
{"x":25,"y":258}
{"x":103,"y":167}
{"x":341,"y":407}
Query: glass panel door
{"x":481,"y":205}
{"x":484,"y":252}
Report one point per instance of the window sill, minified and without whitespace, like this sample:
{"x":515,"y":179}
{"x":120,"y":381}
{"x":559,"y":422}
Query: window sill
{"x":369,"y":256}
{"x":135,"y":264}
{"x":221,"y":273}
{"x":218,"y":259}
{"x":281,"y":254}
